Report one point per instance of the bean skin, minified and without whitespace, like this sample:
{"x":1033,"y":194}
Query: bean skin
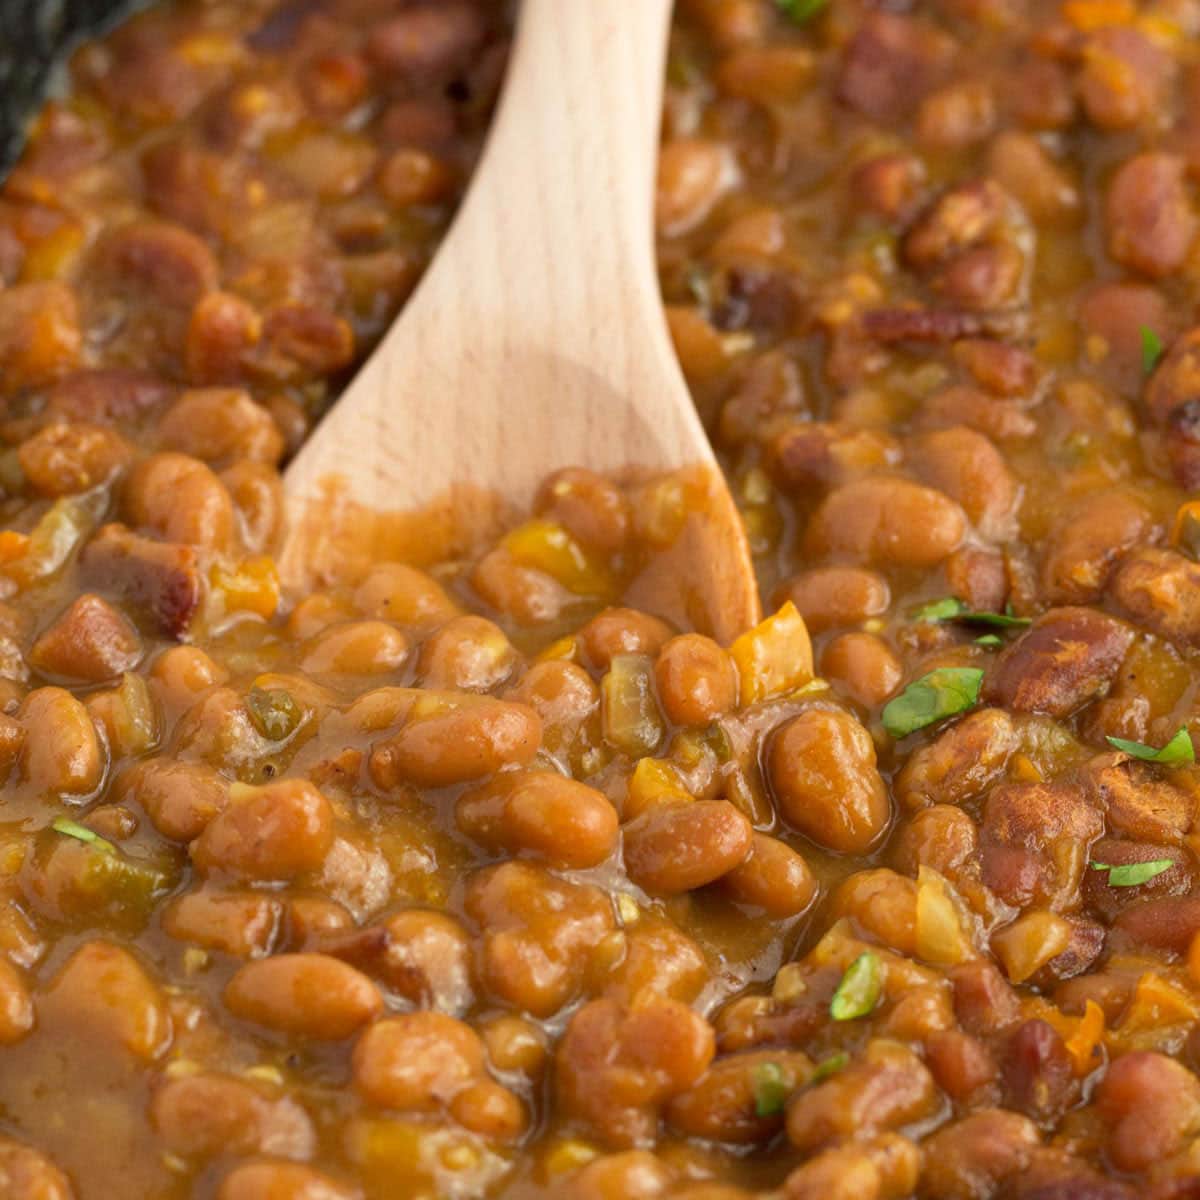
{"x":681,"y":847}
{"x":304,"y":995}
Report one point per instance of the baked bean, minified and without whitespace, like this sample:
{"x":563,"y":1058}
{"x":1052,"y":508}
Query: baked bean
{"x":164,"y":262}
{"x":773,"y":877}
{"x":822,"y":769}
{"x":889,"y":63}
{"x":1067,"y":657}
{"x":489,"y":1109}
{"x":541,"y":934}
{"x":282,"y":1181}
{"x":720,"y":1105}
{"x":960,"y":1064}
{"x":659,"y":960}
{"x":274,"y":832}
{"x":104,"y":994}
{"x":1151,"y":1105}
{"x":883,"y":904}
{"x":695,"y":680}
{"x":524,"y":594}
{"x":1088,"y":541}
{"x":887,"y":1087}
{"x":1125,"y":77}
{"x":183,"y":672}
{"x":885,"y":1168}
{"x":541,"y":813}
{"x":356,"y":648}
{"x":426,"y":42}
{"x":1024,"y":168}
{"x":961,"y":762}
{"x":27,"y":1175}
{"x":60,"y":752}
{"x":615,"y":1067}
{"x":219,"y":425}
{"x":16,"y":1005}
{"x":1158,"y":589}
{"x":967,"y":467}
{"x":680,"y":847}
{"x":304,"y":995}
{"x":1148,"y":215}
{"x":418,"y":1061}
{"x":943,"y":837}
{"x":310,"y":918}
{"x":64,"y":459}
{"x":223,"y":331}
{"x":180,"y":499}
{"x":828,"y":597}
{"x":863,"y":666}
{"x":620,"y":631}
{"x":562,"y":694}
{"x":692,"y":174}
{"x":40,"y":336}
{"x":589,"y":507}
{"x":470,"y":654}
{"x":395,"y":592}
{"x":88,"y":643}
{"x":979,"y":1151}
{"x":469,"y":738}
{"x":241,"y":924}
{"x":208,"y":1114}
{"x":887,"y":520}
{"x":257,"y":494}
{"x":629,"y":1175}
{"x":181,"y":798}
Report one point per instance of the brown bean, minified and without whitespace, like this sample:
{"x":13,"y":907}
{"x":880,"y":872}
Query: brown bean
{"x":274,"y":832}
{"x":695,"y":680}
{"x":960,"y":763}
{"x":977,"y":1151}
{"x":208,"y":1114}
{"x":471,"y":738}
{"x":282,"y":1181}
{"x":692,"y":174}
{"x":65,"y":459}
{"x":40,"y":336}
{"x":1160,"y":589}
{"x":592,"y":509}
{"x":619,"y":631}
{"x":417,"y":1061}
{"x":562,"y":694}
{"x":219,"y":425}
{"x":883,"y":904}
{"x":1148,"y":215}
{"x":546,"y":815}
{"x":967,"y":467}
{"x":396,"y":592}
{"x":822,"y":769}
{"x":1151,"y":1105}
{"x":1024,"y":168}
{"x":886,"y":1168}
{"x":181,"y":500}
{"x":1125,"y":79}
{"x":61,"y":752}
{"x":241,"y":924}
{"x":180,"y":798}
{"x":422,"y":43}
{"x":470,"y":654}
{"x":862,"y":666}
{"x":168,"y":265}
{"x":102,"y":993}
{"x":829,"y":597}
{"x":304,"y":995}
{"x":887,"y":520}
{"x":773,"y":877}
{"x":1066,"y":658}
{"x":16,"y":1007}
{"x":27,"y":1175}
{"x":1088,"y":541}
{"x":356,"y":648}
{"x":889,"y":63}
{"x":88,"y":643}
{"x":677,"y":848}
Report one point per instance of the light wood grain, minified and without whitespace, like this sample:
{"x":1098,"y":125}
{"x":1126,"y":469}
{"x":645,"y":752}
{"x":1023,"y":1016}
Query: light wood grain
{"x":537,"y":339}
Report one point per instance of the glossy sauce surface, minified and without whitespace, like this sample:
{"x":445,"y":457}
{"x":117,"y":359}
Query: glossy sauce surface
{"x":474,"y":881}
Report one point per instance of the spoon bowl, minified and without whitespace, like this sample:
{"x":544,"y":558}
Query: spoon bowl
{"x":537,"y":340}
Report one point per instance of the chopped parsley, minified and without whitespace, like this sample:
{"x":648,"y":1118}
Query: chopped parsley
{"x":858,"y":993}
{"x":802,"y":11}
{"x":1177,"y":751}
{"x":770,"y":1090}
{"x":942,"y":693}
{"x":81,"y":833}
{"x":1152,"y":348}
{"x":1132,"y":874}
{"x":830,"y":1066}
{"x":950,"y":608}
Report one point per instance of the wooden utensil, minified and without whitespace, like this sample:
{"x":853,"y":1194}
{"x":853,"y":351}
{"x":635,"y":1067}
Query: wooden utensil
{"x":537,"y":339}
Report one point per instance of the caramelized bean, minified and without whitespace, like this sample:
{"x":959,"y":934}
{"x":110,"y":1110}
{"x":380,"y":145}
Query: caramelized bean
{"x":680,"y":847}
{"x":695,"y":680}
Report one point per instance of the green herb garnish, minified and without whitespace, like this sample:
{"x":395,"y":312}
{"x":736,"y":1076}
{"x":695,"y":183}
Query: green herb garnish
{"x":274,"y":712}
{"x":1131,"y":874}
{"x":81,"y":833}
{"x":1177,"y":751}
{"x":858,"y":993}
{"x":770,"y":1090}
{"x":950,"y":608}
{"x":1152,"y":348}
{"x":830,"y":1066}
{"x":990,"y":640}
{"x":802,"y":11}
{"x":941,"y":693}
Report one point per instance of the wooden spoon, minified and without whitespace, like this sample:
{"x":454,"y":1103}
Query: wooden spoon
{"x":537,"y":340}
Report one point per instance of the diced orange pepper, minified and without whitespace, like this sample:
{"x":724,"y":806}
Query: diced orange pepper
{"x":1157,"y":1002}
{"x":1088,"y":15}
{"x":248,"y":586}
{"x":13,"y":545}
{"x":1082,"y":1044}
{"x":774,"y":657}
